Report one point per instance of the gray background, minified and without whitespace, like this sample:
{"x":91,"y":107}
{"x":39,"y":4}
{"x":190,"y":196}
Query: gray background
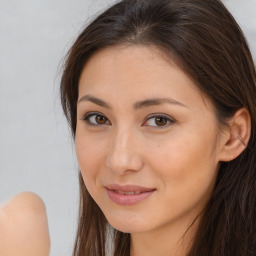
{"x":36,"y":150}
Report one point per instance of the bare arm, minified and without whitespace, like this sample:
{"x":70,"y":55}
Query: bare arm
{"x":24,"y":227}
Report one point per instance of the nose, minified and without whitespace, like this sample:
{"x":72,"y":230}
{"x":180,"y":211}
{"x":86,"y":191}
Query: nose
{"x":124,"y":156}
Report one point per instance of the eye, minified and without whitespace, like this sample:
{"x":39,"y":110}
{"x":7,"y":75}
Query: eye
{"x":158,"y":121}
{"x":96,"y":119}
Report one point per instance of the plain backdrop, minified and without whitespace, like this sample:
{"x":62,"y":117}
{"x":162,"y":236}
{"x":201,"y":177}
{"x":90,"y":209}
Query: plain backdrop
{"x":36,"y":150}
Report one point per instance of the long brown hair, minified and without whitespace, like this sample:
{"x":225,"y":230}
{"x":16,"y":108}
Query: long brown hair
{"x":203,"y":38}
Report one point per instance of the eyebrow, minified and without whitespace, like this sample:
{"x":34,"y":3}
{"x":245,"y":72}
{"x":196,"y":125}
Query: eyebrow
{"x":136,"y":105}
{"x":156,"y":101}
{"x":94,"y":100}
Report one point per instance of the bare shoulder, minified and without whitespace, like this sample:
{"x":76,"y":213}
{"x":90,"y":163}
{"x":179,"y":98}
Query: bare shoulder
{"x":25,"y":201}
{"x":24,"y":227}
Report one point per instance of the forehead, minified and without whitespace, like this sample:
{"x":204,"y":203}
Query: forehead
{"x":122,"y":61}
{"x":135,"y":72}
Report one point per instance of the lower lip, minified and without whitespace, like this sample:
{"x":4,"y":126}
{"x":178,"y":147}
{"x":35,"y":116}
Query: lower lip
{"x":128,"y":199}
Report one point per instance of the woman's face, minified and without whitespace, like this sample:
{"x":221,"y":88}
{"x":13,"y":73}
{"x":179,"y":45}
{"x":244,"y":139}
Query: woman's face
{"x":147,"y":140}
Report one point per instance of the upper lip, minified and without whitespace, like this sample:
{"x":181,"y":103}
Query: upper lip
{"x":128,"y":188}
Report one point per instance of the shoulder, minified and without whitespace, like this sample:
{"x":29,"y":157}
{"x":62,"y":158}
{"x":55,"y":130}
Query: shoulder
{"x":24,"y":227}
{"x":25,"y":201}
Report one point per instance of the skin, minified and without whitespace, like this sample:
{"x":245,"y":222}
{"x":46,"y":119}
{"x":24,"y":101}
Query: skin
{"x":24,"y":227}
{"x":128,"y":145}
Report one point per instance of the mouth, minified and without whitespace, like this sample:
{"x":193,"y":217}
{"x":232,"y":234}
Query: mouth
{"x":128,"y":194}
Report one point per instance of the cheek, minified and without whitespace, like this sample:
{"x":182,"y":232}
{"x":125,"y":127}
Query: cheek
{"x":90,"y":156}
{"x":186,"y":175}
{"x":186,"y":165}
{"x":189,"y":150}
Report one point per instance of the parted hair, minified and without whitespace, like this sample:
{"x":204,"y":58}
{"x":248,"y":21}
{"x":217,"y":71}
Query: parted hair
{"x":204,"y":40}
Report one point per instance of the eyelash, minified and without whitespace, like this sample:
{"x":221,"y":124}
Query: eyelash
{"x":168,"y":119}
{"x":91,"y":114}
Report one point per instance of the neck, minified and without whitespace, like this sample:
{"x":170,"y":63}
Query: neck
{"x":173,"y":239}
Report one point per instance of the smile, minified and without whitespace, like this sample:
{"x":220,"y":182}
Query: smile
{"x":129,"y":194}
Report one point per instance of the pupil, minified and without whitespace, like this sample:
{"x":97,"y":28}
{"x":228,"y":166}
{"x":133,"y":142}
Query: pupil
{"x":160,"y":121}
{"x":100,"y":119}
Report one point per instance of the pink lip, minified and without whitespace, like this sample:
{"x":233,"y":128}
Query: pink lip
{"x":124,"y":199}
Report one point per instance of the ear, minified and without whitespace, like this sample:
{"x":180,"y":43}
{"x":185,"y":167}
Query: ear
{"x":237,"y":136}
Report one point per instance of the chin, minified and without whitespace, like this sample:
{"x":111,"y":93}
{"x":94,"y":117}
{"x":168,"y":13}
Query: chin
{"x":127,"y":228}
{"x":127,"y":225}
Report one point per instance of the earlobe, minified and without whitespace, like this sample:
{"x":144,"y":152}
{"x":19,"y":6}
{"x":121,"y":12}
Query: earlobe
{"x":236,"y":139}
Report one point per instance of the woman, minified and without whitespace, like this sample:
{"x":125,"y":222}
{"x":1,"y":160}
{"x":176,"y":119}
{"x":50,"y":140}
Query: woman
{"x":160,"y":97}
{"x":23,"y":226}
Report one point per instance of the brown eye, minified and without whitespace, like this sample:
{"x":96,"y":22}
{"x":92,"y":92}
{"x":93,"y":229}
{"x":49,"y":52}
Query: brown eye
{"x":160,"y":121}
{"x":100,"y":119}
{"x":96,"y":119}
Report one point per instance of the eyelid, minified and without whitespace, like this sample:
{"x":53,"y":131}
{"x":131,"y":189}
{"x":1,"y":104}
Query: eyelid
{"x":155,"y":115}
{"x":90,"y":114}
{"x":169,"y":119}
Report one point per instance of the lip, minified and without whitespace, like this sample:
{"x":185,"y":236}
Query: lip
{"x":117,"y":193}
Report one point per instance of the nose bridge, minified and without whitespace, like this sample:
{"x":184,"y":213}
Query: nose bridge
{"x":123,"y":155}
